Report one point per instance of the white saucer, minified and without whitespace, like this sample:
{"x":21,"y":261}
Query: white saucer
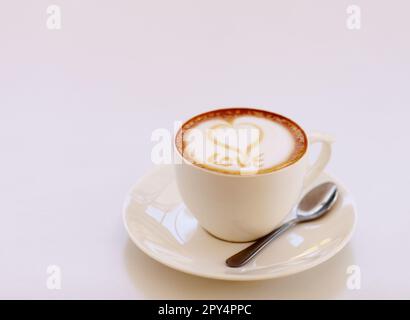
{"x":160,"y":225}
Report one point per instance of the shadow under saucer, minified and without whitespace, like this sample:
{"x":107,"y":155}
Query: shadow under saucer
{"x":156,"y":281}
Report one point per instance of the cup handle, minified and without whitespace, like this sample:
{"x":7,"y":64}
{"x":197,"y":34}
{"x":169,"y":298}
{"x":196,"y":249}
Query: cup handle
{"x":322,"y":160}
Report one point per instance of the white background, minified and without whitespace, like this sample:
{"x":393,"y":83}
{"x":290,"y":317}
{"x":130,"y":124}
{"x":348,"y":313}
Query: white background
{"x":78,"y":107}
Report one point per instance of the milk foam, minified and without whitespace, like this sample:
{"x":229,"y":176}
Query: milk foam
{"x":243,"y":143}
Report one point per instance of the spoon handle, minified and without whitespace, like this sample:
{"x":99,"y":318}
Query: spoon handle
{"x":243,"y":257}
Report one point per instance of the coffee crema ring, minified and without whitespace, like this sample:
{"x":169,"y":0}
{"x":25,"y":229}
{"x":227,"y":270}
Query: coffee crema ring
{"x":233,"y":160}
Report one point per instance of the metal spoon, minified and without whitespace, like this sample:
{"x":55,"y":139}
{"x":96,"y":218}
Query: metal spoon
{"x":314,"y":205}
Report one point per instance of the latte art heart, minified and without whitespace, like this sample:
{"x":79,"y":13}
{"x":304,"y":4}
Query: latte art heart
{"x":237,"y":136}
{"x":241,"y":141}
{"x":235,"y":145}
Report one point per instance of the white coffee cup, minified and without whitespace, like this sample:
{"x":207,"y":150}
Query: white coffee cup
{"x":241,"y":208}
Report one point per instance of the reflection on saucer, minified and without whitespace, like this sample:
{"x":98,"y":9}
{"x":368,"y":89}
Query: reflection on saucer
{"x":180,"y":224}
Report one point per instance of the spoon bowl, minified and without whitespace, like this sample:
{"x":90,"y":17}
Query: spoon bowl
{"x":317,"y":202}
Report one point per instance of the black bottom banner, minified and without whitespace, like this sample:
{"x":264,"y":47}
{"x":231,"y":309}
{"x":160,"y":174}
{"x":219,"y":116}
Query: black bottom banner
{"x":206,"y":309}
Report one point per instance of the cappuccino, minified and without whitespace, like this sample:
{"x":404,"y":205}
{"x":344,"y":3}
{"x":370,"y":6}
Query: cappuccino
{"x":241,"y":141}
